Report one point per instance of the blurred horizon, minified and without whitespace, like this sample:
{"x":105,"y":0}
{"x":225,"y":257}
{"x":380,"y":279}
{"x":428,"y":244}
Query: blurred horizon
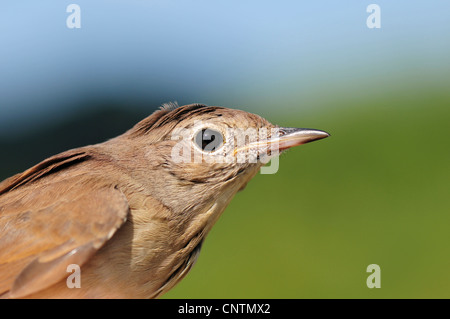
{"x":253,"y":55}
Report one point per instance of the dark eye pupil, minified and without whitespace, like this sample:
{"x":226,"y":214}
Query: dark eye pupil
{"x":209,"y":140}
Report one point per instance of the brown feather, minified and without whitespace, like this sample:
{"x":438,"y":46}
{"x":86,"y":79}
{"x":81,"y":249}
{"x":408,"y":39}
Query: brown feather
{"x":77,"y":216}
{"x":71,"y":208}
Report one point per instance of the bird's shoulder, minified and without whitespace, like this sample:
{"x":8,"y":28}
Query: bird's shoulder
{"x":53,"y":215}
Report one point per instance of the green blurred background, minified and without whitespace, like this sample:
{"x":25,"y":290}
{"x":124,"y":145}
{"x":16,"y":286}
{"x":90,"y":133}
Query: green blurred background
{"x":375,"y":192}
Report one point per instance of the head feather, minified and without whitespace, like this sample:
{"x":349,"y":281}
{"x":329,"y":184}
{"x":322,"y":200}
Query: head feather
{"x":169,"y":113}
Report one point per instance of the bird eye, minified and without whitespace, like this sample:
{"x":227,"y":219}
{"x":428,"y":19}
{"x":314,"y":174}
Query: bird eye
{"x":209,"y":140}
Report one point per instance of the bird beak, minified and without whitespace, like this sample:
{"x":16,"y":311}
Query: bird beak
{"x":282,"y":139}
{"x":289,"y":137}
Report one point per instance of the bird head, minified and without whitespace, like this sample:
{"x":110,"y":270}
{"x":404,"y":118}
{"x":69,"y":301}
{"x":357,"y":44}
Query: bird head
{"x":202,"y":155}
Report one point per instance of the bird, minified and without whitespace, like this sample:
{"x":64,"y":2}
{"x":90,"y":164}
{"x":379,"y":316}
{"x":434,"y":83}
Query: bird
{"x":131,"y":212}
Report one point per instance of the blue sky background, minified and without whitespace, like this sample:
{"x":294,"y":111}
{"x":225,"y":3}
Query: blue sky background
{"x":244,"y":54}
